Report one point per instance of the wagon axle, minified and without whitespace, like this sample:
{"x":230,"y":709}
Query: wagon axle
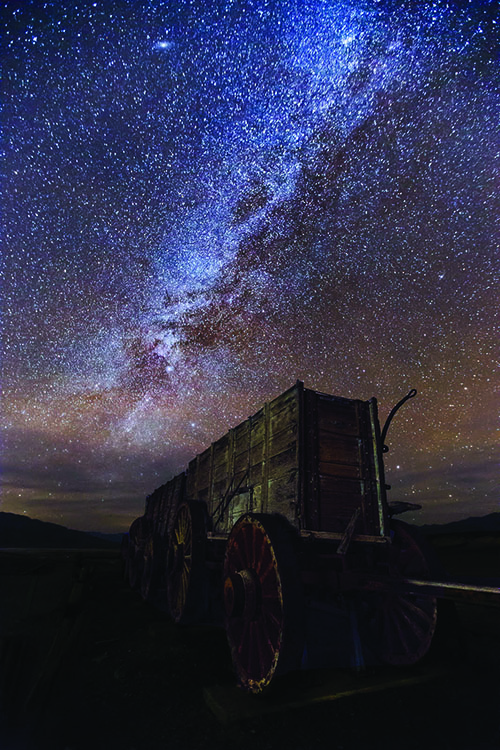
{"x":242,"y":594}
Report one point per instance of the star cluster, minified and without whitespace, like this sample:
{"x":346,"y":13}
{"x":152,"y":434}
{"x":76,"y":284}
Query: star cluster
{"x":204,"y":202}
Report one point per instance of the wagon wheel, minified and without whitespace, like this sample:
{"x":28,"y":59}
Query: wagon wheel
{"x":262,"y":600}
{"x":400,"y":627}
{"x":186,"y":589}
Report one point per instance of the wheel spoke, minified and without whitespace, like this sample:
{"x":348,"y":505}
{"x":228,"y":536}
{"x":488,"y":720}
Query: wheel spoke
{"x":239,"y":558}
{"x":272,"y":619}
{"x":261,"y":550}
{"x":273,"y":629}
{"x":410,"y":624}
{"x":263,"y":572}
{"x":392,"y":625}
{"x":425,"y":612}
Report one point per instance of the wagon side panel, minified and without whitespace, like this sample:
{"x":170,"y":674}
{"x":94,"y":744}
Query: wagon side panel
{"x":342,"y":465}
{"x":254,"y":467}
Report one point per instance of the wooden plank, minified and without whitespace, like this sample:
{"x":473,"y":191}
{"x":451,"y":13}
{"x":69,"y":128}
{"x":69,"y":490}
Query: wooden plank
{"x":337,"y":416}
{"x":203,"y":469}
{"x":240,"y":462}
{"x":282,"y":440}
{"x":241,"y":433}
{"x":348,"y":471}
{"x":310,"y":509}
{"x":258,"y":428}
{"x":257,"y":453}
{"x":204,"y":459}
{"x":238,"y":479}
{"x":282,"y":495}
{"x":334,"y":486}
{"x":285,"y":417}
{"x":220,"y":467}
{"x":255,"y":475}
{"x":339,"y":448}
{"x":257,"y":496}
{"x":283,"y":461}
{"x":219,"y":489}
{"x":284,"y":401}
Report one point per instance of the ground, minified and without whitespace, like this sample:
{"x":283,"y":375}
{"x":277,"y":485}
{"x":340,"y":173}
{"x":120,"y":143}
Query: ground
{"x":87,"y":665}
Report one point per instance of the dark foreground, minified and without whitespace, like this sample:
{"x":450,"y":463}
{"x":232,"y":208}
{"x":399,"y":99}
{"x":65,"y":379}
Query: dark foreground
{"x":86,"y":665}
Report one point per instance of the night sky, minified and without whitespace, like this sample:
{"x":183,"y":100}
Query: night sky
{"x":206,"y":201}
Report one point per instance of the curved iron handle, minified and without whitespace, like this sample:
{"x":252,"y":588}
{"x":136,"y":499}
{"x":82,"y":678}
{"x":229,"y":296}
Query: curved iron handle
{"x":393,"y":411}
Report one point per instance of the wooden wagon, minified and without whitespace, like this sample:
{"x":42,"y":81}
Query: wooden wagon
{"x":287,"y":508}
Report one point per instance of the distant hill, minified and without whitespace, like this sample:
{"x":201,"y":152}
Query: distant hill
{"x":113,"y":538}
{"x":22,"y":531}
{"x":482,"y":524}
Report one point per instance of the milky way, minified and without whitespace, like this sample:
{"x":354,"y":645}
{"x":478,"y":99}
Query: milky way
{"x":204,"y":202}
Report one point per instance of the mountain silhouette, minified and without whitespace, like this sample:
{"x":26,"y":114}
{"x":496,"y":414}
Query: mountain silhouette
{"x":22,"y":531}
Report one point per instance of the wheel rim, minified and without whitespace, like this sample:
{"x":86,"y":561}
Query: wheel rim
{"x":180,"y":563}
{"x":254,"y":603}
{"x":401,"y":626}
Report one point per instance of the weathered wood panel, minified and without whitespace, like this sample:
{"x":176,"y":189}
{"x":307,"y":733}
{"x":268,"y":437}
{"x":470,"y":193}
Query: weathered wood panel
{"x":336,"y":448}
{"x":338,"y":416}
{"x":340,"y":465}
{"x":351,"y":471}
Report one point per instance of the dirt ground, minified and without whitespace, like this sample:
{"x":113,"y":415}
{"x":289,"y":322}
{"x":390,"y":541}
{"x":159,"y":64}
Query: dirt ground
{"x":87,"y":665}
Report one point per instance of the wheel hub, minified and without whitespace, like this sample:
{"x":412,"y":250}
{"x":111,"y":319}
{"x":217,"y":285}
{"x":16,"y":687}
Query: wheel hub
{"x":242,"y":594}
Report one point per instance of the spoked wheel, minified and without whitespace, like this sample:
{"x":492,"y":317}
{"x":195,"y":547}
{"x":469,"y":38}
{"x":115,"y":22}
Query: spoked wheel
{"x":186,"y":589}
{"x":262,"y":600}
{"x":399,"y":627}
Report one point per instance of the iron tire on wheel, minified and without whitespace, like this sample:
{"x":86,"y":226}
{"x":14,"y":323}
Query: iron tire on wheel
{"x":399,"y":628}
{"x":186,"y":574}
{"x":262,"y":600}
